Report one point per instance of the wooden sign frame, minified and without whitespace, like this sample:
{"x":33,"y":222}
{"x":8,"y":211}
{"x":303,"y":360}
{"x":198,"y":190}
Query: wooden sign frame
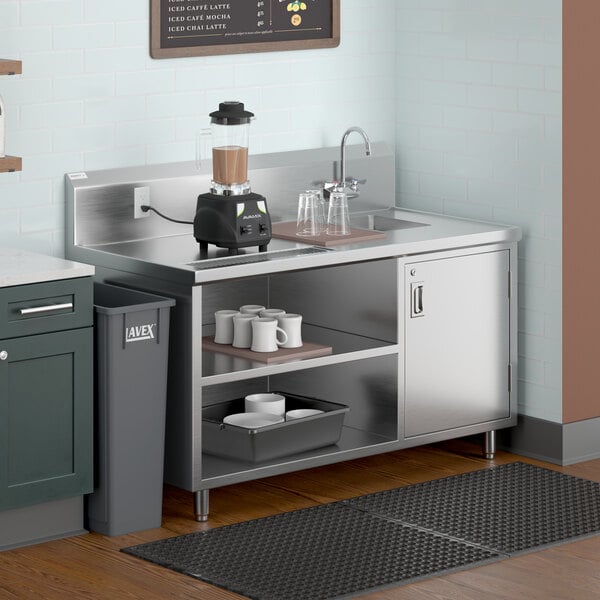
{"x":157,"y":51}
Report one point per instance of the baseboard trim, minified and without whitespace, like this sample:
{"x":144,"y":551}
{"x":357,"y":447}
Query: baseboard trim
{"x":557,"y":443}
{"x":581,"y":441}
{"x":41,"y":522}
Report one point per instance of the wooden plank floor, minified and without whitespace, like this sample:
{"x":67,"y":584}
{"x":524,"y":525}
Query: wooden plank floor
{"x":91,"y":566}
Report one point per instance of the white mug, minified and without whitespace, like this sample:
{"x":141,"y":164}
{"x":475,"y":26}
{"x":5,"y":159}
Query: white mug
{"x":224,"y":326}
{"x":242,"y":330}
{"x":272,"y":312}
{"x":292,"y":325}
{"x":251,"y":309}
{"x":268,"y":403}
{"x":264,"y":335}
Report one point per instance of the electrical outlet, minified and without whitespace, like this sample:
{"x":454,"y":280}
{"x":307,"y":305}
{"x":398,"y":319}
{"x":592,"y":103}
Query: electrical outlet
{"x":141,"y":197}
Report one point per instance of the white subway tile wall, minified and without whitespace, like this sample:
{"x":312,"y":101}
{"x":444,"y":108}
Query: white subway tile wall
{"x":474,"y":87}
{"x":479,"y":135}
{"x":90,"y":97}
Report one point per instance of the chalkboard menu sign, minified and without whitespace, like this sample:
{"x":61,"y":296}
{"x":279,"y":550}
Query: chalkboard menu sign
{"x":200,"y":27}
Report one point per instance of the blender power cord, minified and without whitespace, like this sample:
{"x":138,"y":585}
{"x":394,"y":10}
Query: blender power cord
{"x":146,"y":208}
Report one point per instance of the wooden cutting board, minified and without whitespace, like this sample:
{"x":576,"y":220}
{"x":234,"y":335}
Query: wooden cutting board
{"x":286,"y":230}
{"x":307,"y":350}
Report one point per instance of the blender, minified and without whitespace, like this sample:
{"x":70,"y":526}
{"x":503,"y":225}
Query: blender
{"x":231,"y":215}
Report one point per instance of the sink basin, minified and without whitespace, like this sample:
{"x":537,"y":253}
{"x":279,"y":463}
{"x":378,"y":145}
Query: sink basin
{"x":383,"y":223}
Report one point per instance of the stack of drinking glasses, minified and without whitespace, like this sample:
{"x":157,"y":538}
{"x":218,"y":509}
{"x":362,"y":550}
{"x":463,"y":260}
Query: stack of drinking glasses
{"x":312,"y":222}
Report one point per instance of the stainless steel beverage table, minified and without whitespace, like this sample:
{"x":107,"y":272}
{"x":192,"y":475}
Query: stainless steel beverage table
{"x":422,"y":323}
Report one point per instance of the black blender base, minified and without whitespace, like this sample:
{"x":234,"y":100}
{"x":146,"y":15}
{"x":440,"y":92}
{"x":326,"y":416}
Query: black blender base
{"x":232,"y":222}
{"x":230,"y":251}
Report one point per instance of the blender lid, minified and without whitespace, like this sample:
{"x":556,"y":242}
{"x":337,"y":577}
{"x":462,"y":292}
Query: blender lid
{"x":231,"y":113}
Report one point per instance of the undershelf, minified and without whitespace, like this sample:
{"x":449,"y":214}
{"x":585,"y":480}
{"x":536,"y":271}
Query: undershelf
{"x":354,"y":443}
{"x":220,"y":368}
{"x":9,"y":164}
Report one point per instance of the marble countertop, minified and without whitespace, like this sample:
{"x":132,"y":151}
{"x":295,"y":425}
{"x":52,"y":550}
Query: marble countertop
{"x":20,"y":267}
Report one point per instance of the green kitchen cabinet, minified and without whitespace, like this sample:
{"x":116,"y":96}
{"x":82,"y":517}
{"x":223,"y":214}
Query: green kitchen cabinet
{"x":46,"y":392}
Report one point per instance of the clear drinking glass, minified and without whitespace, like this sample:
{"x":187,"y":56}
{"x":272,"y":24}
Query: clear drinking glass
{"x":338,"y":219}
{"x":308,"y":223}
{"x":321,"y":208}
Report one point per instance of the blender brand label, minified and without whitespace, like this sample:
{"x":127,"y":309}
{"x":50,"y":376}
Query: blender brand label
{"x":185,"y":23}
{"x":138,"y":333}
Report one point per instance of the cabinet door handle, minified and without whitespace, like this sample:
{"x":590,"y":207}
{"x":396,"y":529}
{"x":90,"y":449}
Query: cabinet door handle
{"x":3,"y":354}
{"x":417,"y":309}
{"x":43,"y":309}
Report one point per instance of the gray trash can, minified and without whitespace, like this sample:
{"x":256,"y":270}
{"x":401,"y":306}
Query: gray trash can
{"x":132,"y":343}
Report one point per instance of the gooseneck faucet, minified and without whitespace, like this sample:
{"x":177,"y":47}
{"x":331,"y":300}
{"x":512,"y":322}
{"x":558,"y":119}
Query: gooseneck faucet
{"x":342,"y":183}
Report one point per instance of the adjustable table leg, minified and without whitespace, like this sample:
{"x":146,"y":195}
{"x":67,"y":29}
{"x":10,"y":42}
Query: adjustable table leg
{"x":489,"y":445}
{"x":201,"y":505}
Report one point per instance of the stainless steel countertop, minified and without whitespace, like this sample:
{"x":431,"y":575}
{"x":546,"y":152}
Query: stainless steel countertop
{"x":170,"y":257}
{"x":18,"y":267}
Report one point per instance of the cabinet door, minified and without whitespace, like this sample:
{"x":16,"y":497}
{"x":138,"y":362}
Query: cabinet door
{"x":456,"y":342}
{"x":45,"y":417}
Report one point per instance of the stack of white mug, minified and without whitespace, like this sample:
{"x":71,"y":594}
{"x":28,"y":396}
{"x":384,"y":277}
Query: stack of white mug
{"x":258,"y":328}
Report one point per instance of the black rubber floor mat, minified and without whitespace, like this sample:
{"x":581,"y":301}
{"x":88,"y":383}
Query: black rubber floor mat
{"x":348,"y":548}
{"x":510,"y":508}
{"x":320,"y":553}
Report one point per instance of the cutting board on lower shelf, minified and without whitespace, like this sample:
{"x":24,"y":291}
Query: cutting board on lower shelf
{"x":307,"y":350}
{"x":286,"y":230}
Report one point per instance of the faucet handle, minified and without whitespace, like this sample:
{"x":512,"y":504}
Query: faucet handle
{"x":328,"y":187}
{"x":351,"y":183}
{"x":354,"y":183}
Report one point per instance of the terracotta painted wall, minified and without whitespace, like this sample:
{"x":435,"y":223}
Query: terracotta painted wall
{"x":581,"y":210}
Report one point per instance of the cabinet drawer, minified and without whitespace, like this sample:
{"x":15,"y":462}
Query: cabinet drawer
{"x":45,"y":307}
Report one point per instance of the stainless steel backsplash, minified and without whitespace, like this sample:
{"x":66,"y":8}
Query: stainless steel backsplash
{"x":100,"y":206}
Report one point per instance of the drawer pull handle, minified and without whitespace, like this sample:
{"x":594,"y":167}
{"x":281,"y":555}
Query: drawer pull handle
{"x":43,"y":309}
{"x":417,"y":309}
{"x":3,"y":355}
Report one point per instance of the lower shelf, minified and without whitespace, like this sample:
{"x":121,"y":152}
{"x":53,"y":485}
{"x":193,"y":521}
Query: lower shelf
{"x":354,"y":443}
{"x":218,"y":368}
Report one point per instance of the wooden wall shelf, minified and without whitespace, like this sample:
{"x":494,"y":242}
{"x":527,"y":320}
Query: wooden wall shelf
{"x":10,"y":163}
{"x":10,"y":67}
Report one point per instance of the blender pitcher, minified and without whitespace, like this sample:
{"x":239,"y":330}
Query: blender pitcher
{"x":230,"y":129}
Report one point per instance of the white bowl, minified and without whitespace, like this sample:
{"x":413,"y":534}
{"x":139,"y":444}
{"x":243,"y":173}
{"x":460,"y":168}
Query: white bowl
{"x":301,"y":413}
{"x":253,"y":420}
{"x":265,"y":403}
